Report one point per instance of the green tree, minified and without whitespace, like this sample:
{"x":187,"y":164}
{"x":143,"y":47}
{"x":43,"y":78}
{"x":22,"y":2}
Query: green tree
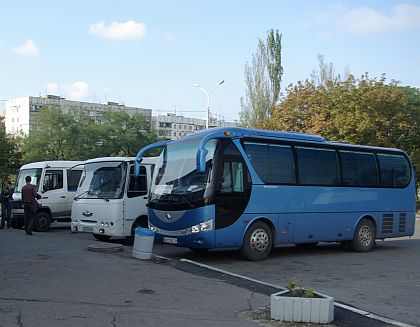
{"x":263,"y":80}
{"x":326,"y":73}
{"x":124,"y":135}
{"x":361,"y":111}
{"x":56,"y":136}
{"x":9,"y":155}
{"x":75,"y":136}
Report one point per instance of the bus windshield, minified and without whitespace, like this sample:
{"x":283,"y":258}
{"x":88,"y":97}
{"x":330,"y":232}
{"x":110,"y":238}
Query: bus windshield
{"x":35,"y":174}
{"x":103,"y":180}
{"x":176,"y":179}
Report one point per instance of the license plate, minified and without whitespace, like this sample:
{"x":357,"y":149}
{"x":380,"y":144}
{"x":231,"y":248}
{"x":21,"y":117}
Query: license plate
{"x":88,"y":229}
{"x":170,"y":240}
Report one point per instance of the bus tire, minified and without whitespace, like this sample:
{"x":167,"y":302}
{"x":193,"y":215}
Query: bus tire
{"x":101,"y":237}
{"x":258,"y":241}
{"x":364,"y":236}
{"x":42,"y":221}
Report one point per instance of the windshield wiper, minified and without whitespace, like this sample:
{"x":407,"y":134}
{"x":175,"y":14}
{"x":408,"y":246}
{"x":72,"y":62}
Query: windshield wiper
{"x":81,"y":194}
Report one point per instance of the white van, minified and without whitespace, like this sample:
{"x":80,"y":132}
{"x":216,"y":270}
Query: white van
{"x":56,"y":182}
{"x":110,"y":200}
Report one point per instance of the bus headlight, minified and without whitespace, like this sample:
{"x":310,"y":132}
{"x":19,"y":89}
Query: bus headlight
{"x":203,"y":226}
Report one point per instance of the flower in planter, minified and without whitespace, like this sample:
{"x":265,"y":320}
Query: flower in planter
{"x":301,"y":305}
{"x":299,"y":291}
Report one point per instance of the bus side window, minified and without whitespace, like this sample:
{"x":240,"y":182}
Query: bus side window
{"x":137,"y":185}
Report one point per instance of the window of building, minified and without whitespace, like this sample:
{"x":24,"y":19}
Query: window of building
{"x":317,"y":166}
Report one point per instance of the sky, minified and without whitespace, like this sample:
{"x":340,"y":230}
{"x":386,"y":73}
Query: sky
{"x":150,"y":54}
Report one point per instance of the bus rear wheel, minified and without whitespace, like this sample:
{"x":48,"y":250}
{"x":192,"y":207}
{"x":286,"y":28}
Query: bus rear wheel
{"x":364,"y":236}
{"x":258,"y":242}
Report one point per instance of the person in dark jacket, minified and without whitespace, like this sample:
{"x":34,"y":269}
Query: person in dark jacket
{"x":6,"y":196}
{"x":29,"y":196}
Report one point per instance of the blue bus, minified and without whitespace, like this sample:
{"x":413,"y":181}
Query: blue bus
{"x":255,"y":189}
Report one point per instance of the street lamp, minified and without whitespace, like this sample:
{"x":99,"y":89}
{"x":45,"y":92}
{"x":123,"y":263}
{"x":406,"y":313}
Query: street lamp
{"x":208,"y":99}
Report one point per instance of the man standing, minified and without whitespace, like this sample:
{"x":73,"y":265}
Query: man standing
{"x":6,"y":195}
{"x":29,"y":196}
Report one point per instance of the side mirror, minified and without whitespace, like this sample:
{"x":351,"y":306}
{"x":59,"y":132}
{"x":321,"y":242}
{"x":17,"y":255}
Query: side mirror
{"x":201,"y":160}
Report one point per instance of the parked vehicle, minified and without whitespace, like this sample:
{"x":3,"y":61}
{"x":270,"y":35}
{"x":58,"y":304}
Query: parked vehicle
{"x":111,"y":201}
{"x":254,"y":189}
{"x":56,"y":182}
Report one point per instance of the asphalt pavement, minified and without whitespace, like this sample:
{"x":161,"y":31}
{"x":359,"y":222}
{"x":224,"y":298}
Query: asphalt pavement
{"x":53,"y":279}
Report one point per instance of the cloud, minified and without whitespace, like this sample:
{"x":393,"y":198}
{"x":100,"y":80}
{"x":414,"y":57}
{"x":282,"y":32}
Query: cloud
{"x":364,"y":20}
{"x":78,"y":91}
{"x":26,"y":49}
{"x":121,"y":31}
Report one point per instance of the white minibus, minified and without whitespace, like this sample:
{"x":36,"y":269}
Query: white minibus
{"x":56,"y":182}
{"x":110,"y":200}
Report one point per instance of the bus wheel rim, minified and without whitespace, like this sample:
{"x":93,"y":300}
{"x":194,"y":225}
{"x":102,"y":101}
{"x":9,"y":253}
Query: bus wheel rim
{"x":365,"y":235}
{"x":259,"y":240}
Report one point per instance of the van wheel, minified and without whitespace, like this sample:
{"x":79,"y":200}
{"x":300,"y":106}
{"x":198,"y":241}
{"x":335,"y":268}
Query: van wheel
{"x":42,"y":221}
{"x":102,"y":238}
{"x":258,"y":242}
{"x":364,"y":236}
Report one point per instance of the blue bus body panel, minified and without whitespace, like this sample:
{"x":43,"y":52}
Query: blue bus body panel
{"x":297,"y":213}
{"x":182,"y":221}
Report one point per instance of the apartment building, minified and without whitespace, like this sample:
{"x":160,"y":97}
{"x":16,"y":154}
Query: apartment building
{"x":171,"y":126}
{"x":20,"y":113}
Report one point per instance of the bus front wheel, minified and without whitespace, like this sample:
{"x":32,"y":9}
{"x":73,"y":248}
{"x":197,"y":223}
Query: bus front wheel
{"x":258,"y":242}
{"x":364,"y":236}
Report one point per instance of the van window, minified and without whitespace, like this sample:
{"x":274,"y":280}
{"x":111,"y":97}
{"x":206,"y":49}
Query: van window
{"x":53,"y":180}
{"x":73,"y":178}
{"x":137,"y":185}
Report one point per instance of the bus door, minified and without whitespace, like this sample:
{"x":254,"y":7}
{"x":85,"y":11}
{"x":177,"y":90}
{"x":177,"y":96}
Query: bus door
{"x":232,"y":194}
{"x":136,"y":200}
{"x":73,"y":178}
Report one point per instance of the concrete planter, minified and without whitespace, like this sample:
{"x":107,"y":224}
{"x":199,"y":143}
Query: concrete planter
{"x":300,"y":309}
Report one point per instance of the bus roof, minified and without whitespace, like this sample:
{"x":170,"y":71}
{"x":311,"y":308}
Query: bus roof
{"x":236,"y":132}
{"x":52,"y":164}
{"x":146,"y":160}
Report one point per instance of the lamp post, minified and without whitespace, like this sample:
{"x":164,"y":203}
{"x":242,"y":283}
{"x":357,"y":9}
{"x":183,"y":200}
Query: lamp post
{"x":208,"y":99}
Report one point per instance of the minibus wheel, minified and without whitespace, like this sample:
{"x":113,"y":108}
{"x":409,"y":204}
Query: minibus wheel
{"x":364,"y":236}
{"x":42,"y":221}
{"x":258,"y":241}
